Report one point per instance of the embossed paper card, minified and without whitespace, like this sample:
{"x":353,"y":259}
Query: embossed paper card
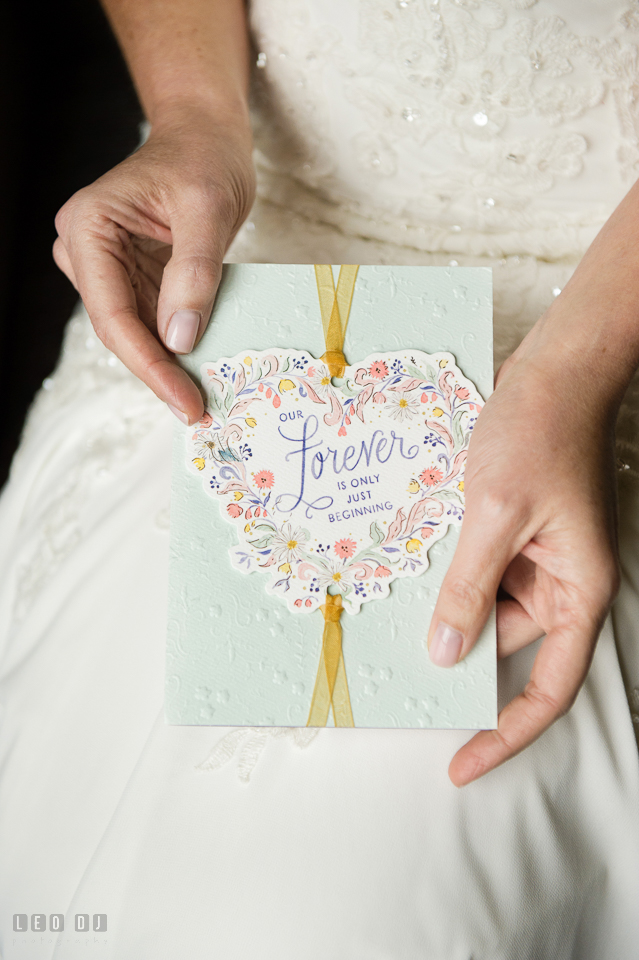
{"x":317,"y":504}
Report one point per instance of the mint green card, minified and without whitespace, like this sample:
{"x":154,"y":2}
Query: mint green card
{"x":310,"y":499}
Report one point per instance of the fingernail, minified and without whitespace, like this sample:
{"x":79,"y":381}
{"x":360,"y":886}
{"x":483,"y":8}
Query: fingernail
{"x":182,"y":331}
{"x":178,"y":413}
{"x":445,"y":646}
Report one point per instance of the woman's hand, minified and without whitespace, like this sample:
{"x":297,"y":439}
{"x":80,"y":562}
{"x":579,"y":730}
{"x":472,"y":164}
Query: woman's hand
{"x":541,"y":521}
{"x":144,"y":244}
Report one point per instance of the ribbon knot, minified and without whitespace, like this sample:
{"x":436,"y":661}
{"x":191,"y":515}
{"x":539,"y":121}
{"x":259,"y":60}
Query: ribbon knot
{"x":332,"y":609}
{"x":335,"y":361}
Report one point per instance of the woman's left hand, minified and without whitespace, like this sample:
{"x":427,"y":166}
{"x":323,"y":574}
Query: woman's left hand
{"x":541,"y":522}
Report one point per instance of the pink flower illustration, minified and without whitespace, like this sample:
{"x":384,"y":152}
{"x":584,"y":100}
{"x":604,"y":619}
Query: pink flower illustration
{"x":308,"y":603}
{"x":347,"y":421}
{"x":298,"y":602}
{"x":382,"y":572}
{"x":310,"y":372}
{"x":249,"y":514}
{"x":462,"y":393}
{"x":378,"y":370}
{"x":264,"y":479}
{"x":234,"y":510}
{"x":206,"y":420}
{"x":431,"y":477}
{"x":341,"y":432}
{"x":345,"y":548}
{"x":379,"y":398}
{"x":269,"y":393}
{"x":276,"y":401}
{"x":427,"y":532}
{"x":424,"y":398}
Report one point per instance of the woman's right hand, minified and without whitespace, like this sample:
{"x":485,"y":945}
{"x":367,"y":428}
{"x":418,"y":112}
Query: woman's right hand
{"x":144,"y":245}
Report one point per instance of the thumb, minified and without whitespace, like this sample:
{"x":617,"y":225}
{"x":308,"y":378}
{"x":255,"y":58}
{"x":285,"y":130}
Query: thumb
{"x":469,"y":590}
{"x":190,"y":281}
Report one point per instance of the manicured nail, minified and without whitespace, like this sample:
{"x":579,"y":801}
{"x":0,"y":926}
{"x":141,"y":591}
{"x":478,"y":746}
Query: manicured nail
{"x":445,"y":646}
{"x":182,"y":331}
{"x":178,"y":413}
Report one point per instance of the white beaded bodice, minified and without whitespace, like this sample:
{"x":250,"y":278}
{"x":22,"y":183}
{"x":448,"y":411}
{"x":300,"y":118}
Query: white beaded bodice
{"x":481,"y":127}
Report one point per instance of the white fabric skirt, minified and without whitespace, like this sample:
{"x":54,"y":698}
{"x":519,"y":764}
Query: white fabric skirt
{"x":286,"y":845}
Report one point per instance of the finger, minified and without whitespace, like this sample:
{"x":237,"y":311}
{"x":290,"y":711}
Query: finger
{"x":190,"y":280}
{"x":515,"y":628}
{"x":63,"y":261}
{"x":490,"y":537}
{"x":103,"y":273}
{"x":151,"y":258}
{"x":558,"y":672}
{"x":146,"y":280}
{"x":520,"y":580}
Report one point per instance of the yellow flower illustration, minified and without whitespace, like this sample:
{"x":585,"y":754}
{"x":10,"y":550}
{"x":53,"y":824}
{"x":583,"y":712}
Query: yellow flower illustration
{"x":443,"y":363}
{"x":199,"y":462}
{"x":285,"y":568}
{"x":438,"y":412}
{"x":248,"y":361}
{"x":247,"y":528}
{"x":460,"y":486}
{"x":286,"y":385}
{"x":250,"y":422}
{"x":238,"y":495}
{"x":413,"y":486}
{"x":413,"y":546}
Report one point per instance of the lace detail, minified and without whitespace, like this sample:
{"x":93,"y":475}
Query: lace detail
{"x":450,"y":112}
{"x":88,"y":374}
{"x":619,"y":64}
{"x":247,"y":744}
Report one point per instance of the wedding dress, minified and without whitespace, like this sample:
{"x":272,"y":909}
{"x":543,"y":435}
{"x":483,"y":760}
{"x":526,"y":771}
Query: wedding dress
{"x":497,"y":133}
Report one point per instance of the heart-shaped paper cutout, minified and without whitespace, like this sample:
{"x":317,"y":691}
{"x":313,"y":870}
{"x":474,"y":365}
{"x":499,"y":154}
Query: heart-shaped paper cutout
{"x":339,"y":486}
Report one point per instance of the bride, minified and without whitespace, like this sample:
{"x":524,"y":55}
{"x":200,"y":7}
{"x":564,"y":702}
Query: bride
{"x":501,"y":133}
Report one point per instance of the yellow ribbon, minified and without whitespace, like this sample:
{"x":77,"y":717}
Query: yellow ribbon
{"x":331,"y":686}
{"x":335,"y":307}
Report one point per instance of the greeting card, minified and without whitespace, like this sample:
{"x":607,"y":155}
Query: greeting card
{"x":317,"y":503}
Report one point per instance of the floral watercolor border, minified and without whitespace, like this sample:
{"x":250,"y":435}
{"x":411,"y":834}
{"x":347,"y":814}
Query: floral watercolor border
{"x":410,"y":387}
